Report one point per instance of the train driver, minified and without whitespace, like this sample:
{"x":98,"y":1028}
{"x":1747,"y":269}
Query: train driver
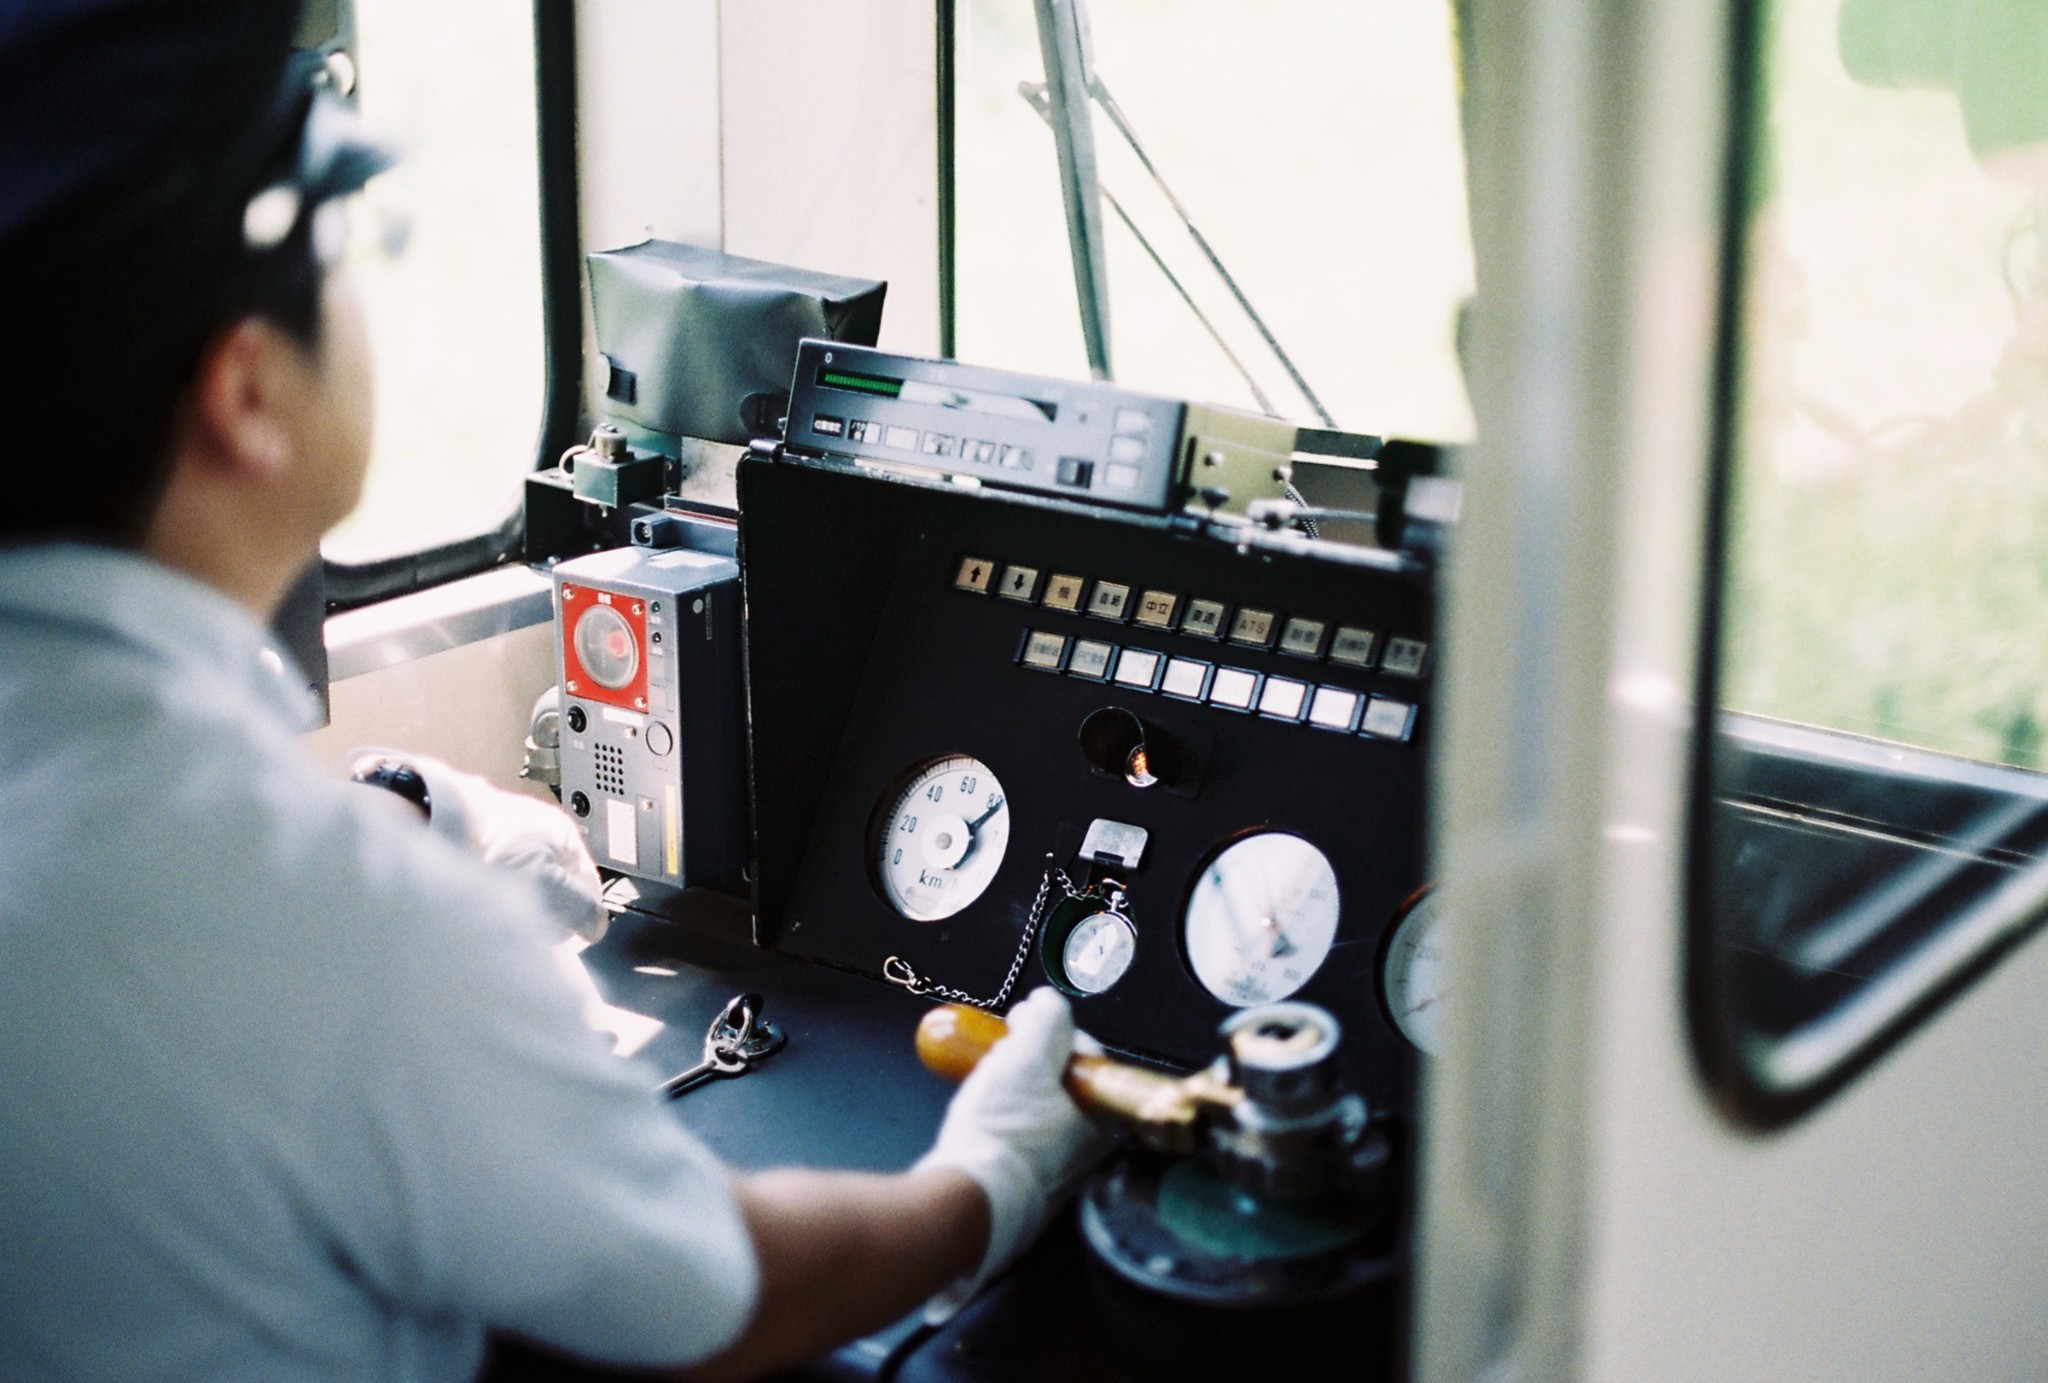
{"x":292,"y":1089}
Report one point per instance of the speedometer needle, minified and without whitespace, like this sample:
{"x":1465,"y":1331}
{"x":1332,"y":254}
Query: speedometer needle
{"x":974,"y":830}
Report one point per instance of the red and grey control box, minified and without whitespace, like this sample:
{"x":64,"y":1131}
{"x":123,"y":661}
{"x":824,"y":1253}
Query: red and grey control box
{"x":648,"y":657}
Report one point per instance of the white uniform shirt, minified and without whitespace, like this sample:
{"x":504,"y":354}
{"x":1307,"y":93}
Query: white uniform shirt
{"x":291,"y":1088}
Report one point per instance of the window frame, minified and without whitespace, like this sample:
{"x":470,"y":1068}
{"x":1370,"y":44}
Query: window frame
{"x":352,"y":584}
{"x":1944,"y":955}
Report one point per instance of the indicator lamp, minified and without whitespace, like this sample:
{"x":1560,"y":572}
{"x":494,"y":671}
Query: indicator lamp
{"x":1119,"y":744}
{"x":1138,"y":769}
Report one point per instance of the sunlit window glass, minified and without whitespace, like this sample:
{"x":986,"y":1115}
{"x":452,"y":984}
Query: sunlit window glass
{"x":446,"y":251}
{"x":1312,"y":144}
{"x":1890,"y":534}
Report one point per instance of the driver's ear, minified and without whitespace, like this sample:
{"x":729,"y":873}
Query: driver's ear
{"x":250,"y":384}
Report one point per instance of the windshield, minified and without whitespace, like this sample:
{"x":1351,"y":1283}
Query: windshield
{"x":1890,"y":499}
{"x":1312,"y":146}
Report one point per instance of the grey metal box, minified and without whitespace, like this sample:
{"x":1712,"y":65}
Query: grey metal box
{"x":653,"y":762}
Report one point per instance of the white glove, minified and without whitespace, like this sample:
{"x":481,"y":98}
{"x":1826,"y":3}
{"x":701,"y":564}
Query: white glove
{"x":1016,"y":1131}
{"x":534,"y":838}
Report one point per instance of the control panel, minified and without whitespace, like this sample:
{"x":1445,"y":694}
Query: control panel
{"x":651,"y":753}
{"x":1087,"y":441}
{"x":1174,"y":775}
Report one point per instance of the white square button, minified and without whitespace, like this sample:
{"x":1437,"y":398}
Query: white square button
{"x":1185,"y":678}
{"x":1138,"y":668}
{"x":1233,"y":687}
{"x":1387,"y":719}
{"x":1283,"y":698}
{"x":1333,"y":708}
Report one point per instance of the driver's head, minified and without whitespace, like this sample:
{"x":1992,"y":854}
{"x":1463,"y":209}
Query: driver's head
{"x":169,"y":175}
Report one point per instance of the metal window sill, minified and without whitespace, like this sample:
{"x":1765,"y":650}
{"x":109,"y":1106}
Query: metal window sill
{"x":397,"y":631}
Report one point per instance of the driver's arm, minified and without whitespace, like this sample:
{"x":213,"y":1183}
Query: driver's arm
{"x":844,"y":1253}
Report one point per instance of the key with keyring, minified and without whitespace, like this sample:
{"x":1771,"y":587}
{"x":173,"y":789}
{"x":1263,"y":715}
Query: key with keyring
{"x":738,"y":1037}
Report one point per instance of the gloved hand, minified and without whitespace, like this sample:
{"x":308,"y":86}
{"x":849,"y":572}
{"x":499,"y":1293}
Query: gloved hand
{"x":1016,"y":1131}
{"x":524,"y":834}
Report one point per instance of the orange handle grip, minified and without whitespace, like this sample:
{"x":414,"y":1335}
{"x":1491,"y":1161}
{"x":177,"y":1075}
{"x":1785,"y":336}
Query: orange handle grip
{"x":952,"y":1040}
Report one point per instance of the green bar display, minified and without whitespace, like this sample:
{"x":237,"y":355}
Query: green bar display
{"x":860,"y":384}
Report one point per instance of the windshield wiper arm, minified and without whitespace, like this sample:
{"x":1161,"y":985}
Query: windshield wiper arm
{"x":1070,"y":84}
{"x":1034,"y":93}
{"x":1123,"y":127}
{"x":1062,"y":42}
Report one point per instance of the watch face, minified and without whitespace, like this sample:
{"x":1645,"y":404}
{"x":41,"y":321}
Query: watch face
{"x":1098,"y":952}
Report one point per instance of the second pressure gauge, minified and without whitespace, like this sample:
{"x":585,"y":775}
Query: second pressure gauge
{"x":938,"y":837}
{"x":1261,"y":918}
{"x":1412,"y":973}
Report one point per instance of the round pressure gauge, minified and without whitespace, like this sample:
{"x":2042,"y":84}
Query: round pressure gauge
{"x":1260,"y":918}
{"x":939,"y":836}
{"x":1098,"y":951}
{"x":1412,"y":972}
{"x":606,"y":647}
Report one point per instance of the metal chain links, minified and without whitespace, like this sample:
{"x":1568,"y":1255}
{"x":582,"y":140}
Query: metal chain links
{"x":897,"y":970}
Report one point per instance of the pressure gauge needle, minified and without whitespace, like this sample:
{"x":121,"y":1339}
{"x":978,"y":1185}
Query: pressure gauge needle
{"x":1277,"y":944}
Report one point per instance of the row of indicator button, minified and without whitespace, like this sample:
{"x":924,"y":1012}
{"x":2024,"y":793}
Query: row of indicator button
{"x":1299,"y":637}
{"x":1119,"y":474}
{"x":1233,"y":688}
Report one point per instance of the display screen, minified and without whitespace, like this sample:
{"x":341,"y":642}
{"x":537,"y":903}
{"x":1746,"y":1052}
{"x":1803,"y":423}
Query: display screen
{"x":860,"y":384}
{"x":939,"y":395}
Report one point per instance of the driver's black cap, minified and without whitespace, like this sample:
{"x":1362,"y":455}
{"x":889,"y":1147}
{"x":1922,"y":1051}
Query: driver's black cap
{"x":163,"y":168}
{"x":168,"y":115}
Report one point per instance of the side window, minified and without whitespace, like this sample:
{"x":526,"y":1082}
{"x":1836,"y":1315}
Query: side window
{"x":447,"y":256}
{"x":1282,"y":203}
{"x":1873,"y":829}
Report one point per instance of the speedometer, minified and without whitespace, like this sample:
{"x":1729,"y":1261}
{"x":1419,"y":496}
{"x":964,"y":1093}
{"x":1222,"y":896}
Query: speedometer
{"x":1260,"y":918}
{"x":938,"y":837}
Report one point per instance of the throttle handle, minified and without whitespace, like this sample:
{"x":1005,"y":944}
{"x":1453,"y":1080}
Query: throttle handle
{"x":952,"y":1039}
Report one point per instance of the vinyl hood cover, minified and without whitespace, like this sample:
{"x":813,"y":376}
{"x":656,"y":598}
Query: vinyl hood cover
{"x":693,"y":334}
